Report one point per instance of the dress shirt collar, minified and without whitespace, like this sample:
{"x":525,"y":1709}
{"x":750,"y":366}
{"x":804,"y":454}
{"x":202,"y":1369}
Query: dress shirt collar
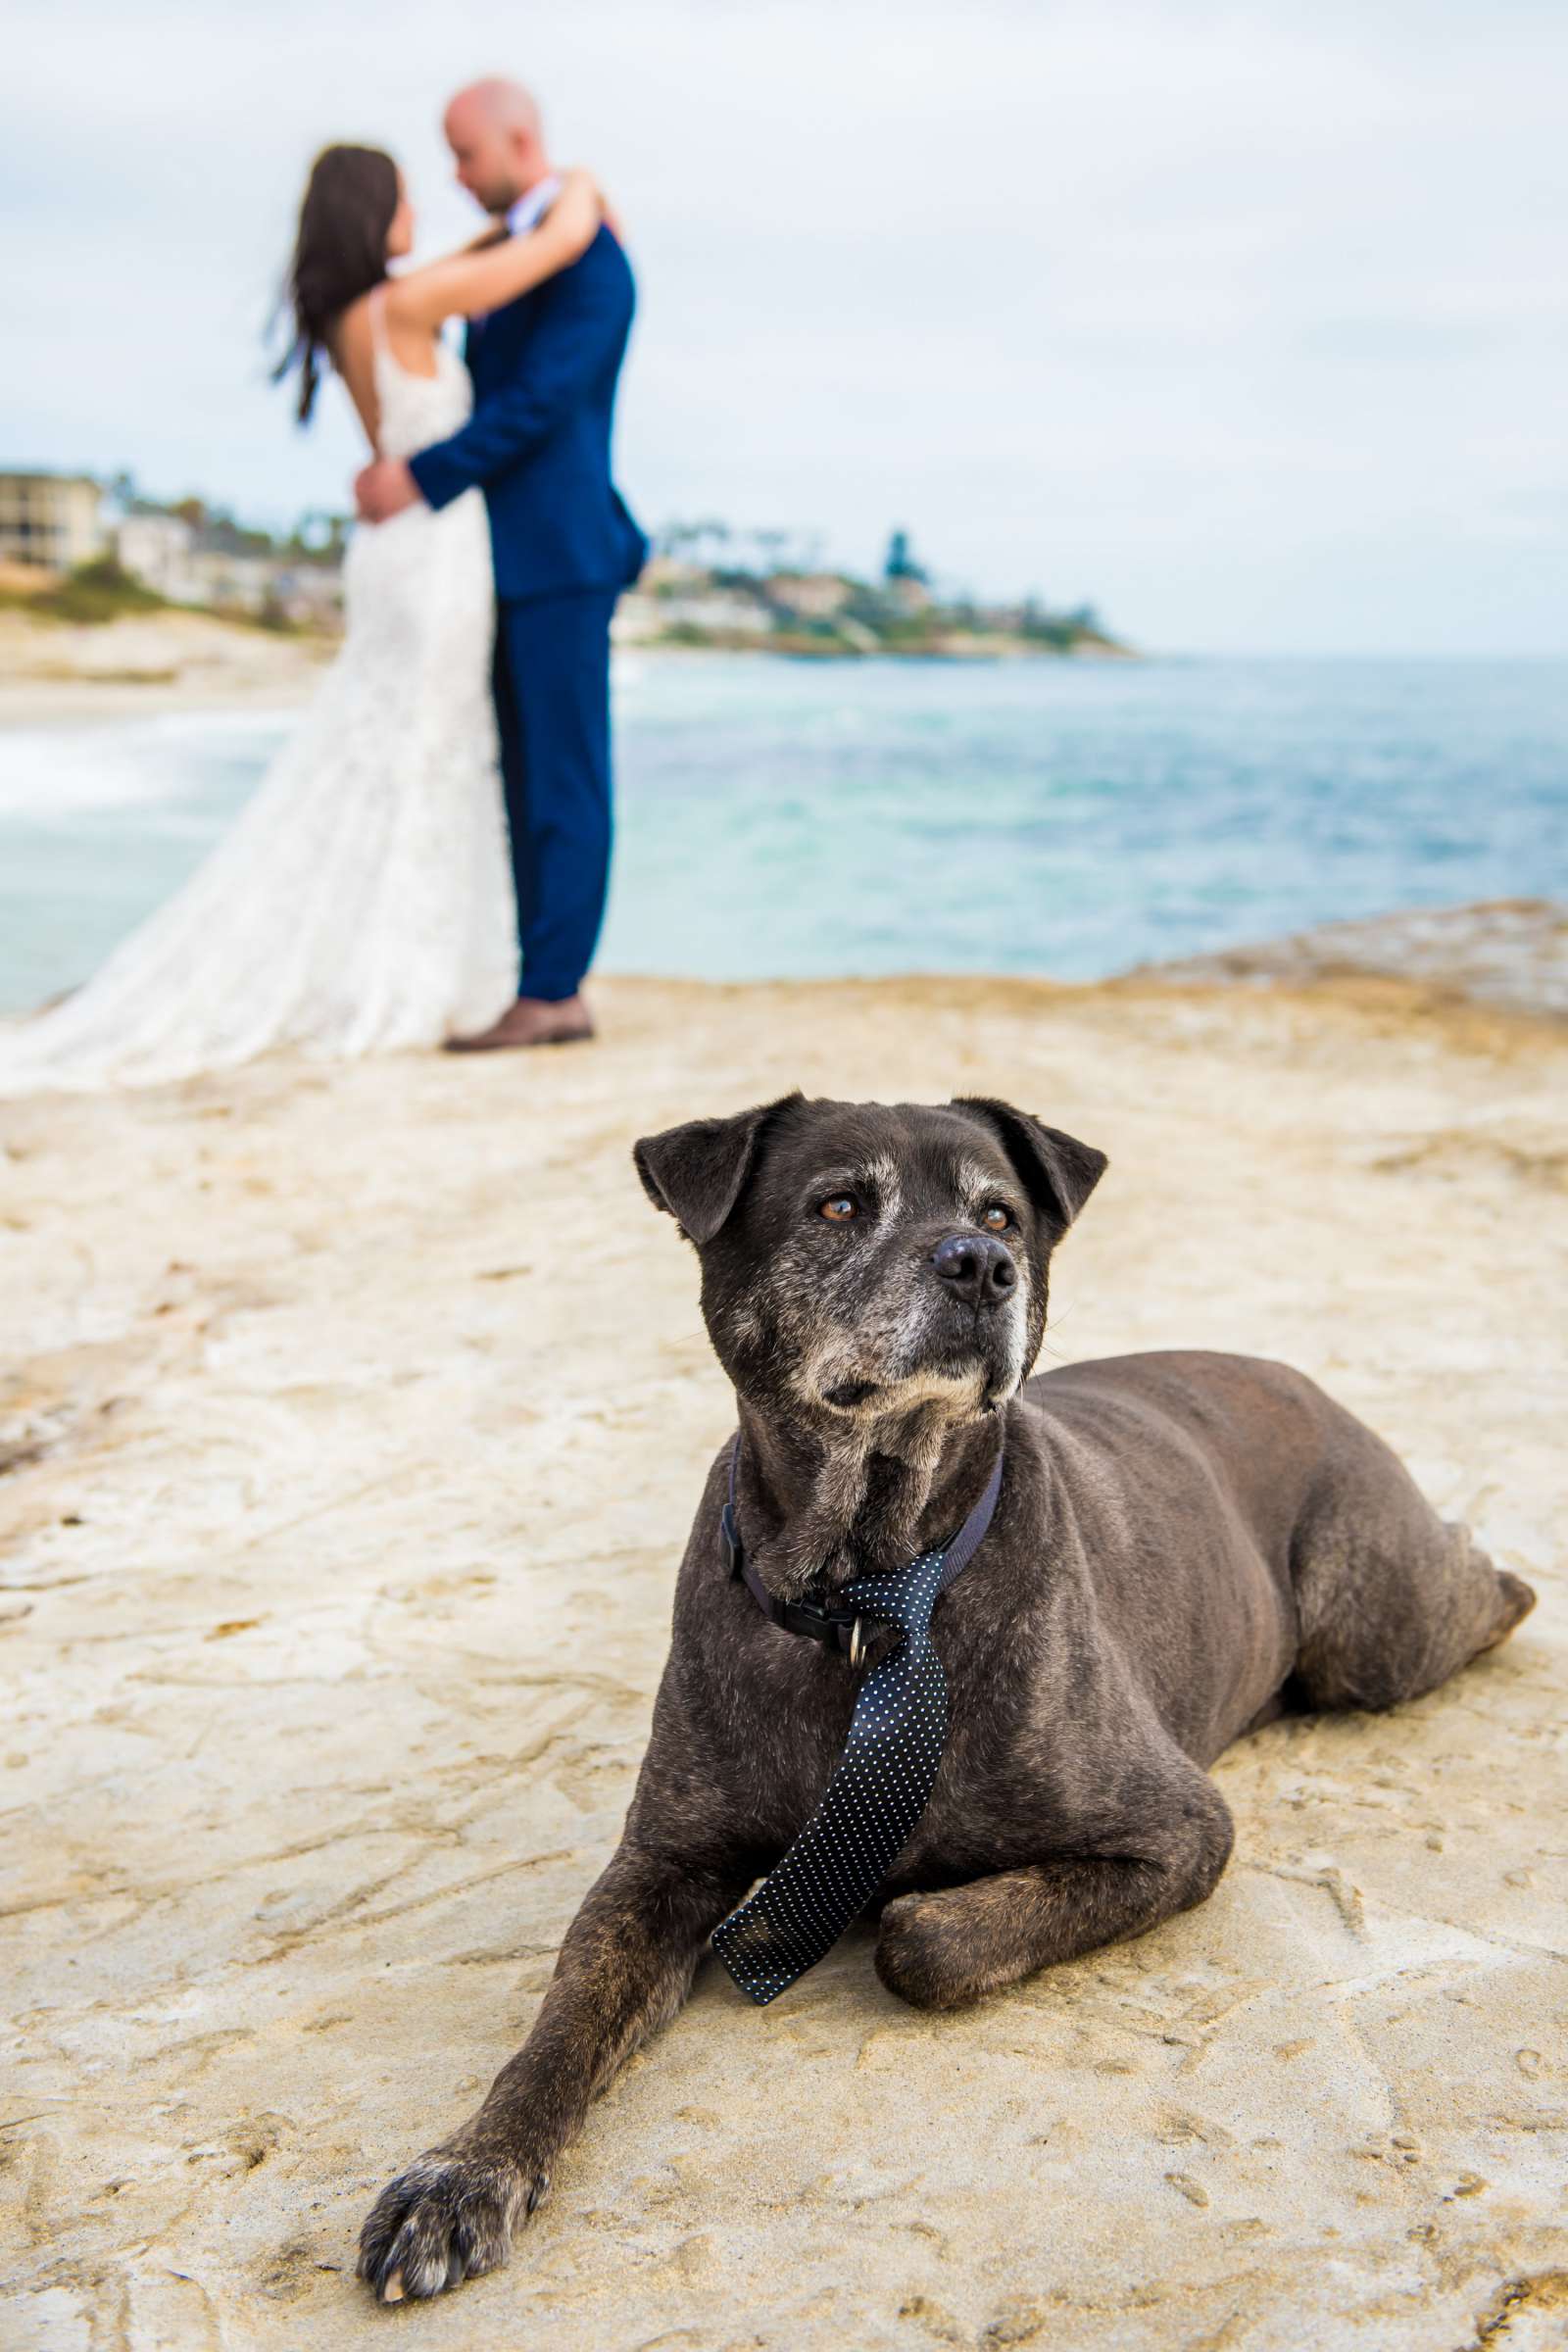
{"x":532,"y":206}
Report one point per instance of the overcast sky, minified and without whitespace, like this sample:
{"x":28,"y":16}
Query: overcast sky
{"x":1248,"y":324}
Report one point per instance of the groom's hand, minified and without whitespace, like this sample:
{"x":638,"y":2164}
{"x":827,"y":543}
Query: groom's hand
{"x":384,"y":489}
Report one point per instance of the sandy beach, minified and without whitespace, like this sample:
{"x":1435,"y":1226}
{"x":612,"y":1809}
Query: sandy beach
{"x":170,"y":660}
{"x":337,"y":1538}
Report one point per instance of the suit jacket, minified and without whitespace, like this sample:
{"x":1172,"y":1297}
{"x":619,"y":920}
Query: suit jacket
{"x":544,"y":372}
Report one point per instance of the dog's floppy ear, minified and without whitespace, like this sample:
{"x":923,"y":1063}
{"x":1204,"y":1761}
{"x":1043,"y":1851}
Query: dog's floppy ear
{"x":1060,"y":1171}
{"x":698,"y":1171}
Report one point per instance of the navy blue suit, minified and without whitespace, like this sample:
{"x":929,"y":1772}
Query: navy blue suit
{"x":544,"y":374}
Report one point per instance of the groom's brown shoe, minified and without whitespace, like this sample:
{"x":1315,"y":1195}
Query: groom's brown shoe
{"x":531,"y":1021}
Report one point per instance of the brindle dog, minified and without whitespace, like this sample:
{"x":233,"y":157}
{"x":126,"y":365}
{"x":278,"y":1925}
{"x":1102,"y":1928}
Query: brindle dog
{"x":1184,"y":1544}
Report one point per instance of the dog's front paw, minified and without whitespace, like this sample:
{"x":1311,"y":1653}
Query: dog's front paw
{"x":920,"y":1953}
{"x":447,"y":2217}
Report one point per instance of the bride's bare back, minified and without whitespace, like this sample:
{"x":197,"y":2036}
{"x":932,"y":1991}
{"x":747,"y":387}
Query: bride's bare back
{"x":409,"y":311}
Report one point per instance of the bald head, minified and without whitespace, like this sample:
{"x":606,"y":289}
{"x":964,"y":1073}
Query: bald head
{"x":494,"y":133}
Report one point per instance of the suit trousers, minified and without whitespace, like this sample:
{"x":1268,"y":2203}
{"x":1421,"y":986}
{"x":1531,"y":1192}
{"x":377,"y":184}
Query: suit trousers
{"x":551,"y":693}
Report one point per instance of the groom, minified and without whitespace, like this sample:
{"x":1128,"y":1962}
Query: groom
{"x":544,"y":374}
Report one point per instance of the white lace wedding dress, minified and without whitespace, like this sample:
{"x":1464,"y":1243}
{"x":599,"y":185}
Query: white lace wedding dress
{"x":363,"y":901}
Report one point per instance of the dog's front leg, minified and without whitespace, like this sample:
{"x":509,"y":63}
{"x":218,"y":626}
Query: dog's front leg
{"x":624,"y":1970}
{"x":958,"y":1943}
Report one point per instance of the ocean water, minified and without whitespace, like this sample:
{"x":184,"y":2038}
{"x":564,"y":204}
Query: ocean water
{"x":792,"y":818}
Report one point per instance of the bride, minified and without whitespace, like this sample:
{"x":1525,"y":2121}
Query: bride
{"x":363,"y":902}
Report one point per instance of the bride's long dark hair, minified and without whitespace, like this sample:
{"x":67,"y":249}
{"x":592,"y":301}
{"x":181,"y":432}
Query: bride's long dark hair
{"x":340,"y":253}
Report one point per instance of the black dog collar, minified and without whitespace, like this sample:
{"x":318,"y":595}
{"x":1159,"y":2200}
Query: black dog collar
{"x":819,"y":1617}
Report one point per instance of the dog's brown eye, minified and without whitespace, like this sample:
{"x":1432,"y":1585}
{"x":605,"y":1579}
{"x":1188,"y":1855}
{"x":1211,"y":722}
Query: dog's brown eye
{"x":839,"y":1209}
{"x":996,"y":1218}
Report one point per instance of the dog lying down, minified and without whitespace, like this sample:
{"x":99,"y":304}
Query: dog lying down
{"x":950,"y":1644}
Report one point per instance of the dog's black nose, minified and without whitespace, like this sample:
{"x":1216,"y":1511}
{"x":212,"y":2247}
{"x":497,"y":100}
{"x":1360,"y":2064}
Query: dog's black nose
{"x":979,"y":1267}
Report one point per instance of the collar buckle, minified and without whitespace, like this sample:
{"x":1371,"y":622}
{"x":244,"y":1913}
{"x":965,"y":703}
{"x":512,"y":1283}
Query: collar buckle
{"x":823,"y":1622}
{"x":819,"y":1619}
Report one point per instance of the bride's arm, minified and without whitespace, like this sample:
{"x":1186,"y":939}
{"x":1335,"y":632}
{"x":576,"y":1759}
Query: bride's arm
{"x":482,"y":278}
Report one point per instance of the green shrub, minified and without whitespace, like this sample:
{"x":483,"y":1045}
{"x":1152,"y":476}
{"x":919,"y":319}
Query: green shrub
{"x":102,"y":590}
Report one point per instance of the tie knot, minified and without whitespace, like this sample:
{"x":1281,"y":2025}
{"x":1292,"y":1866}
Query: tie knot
{"x":901,"y":1596}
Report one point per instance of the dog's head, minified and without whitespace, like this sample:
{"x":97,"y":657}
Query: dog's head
{"x":863,"y":1260}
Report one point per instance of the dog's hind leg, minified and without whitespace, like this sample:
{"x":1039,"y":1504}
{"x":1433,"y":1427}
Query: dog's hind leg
{"x":1390,"y":1598}
{"x":942,"y":1950}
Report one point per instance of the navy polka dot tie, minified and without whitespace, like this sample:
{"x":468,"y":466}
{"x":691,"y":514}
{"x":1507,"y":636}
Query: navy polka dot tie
{"x":879,"y":1787}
